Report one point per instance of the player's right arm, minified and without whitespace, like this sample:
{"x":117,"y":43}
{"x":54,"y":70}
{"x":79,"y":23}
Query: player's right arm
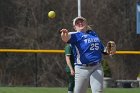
{"x":65,"y":35}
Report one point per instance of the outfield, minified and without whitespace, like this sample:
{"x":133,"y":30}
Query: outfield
{"x":61,"y":90}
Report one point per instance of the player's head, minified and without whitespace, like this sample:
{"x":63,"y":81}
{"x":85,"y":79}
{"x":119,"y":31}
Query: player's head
{"x":80,"y":23}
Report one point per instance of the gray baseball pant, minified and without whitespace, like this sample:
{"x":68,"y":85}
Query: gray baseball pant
{"x":89,"y":74}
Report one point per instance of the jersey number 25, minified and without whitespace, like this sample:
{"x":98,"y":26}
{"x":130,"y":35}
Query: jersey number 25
{"x":94,"y":46}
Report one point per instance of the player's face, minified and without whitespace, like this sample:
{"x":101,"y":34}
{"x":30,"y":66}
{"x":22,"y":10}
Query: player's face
{"x":80,"y":25}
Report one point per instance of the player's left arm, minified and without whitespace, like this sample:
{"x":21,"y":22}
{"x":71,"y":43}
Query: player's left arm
{"x":103,"y":49}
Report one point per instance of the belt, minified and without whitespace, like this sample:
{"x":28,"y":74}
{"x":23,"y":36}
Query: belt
{"x":88,"y":65}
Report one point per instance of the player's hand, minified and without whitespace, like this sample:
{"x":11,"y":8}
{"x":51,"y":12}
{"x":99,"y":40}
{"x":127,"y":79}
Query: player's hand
{"x":64,"y":31}
{"x":72,"y":72}
{"x":64,"y":35}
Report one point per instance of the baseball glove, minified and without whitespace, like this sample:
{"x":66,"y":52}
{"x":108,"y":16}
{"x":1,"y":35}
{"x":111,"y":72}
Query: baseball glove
{"x":111,"y":48}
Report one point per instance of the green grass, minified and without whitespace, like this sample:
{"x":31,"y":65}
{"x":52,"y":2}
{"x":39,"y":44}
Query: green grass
{"x":61,"y":90}
{"x":122,"y":90}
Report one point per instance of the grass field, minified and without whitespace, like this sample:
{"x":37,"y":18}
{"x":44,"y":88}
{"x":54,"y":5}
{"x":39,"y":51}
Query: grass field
{"x":61,"y":90}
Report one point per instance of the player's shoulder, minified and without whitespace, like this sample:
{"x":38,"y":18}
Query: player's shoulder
{"x":92,"y":32}
{"x":67,"y":45}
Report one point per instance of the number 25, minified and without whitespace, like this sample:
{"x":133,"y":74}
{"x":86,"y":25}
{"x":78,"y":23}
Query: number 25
{"x":94,"y":46}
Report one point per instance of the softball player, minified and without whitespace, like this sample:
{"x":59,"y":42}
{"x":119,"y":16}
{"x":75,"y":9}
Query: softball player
{"x":70,"y":67}
{"x":88,"y":50}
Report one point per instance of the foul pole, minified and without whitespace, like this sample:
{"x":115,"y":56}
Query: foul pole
{"x":79,"y":7}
